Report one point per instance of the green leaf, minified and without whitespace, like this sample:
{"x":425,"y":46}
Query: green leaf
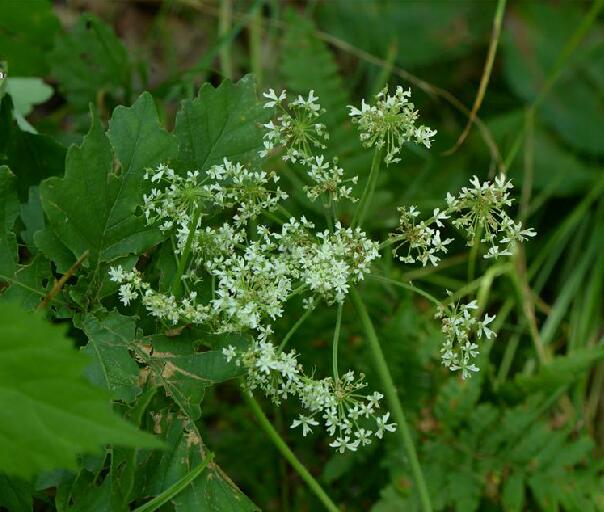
{"x":15,"y":494}
{"x":560,"y":371}
{"x":27,"y":30}
{"x":32,"y":217}
{"x":9,"y":211}
{"x":92,"y":208}
{"x":27,"y":92}
{"x":185,"y":377}
{"x":138,"y":138}
{"x":109,"y":340}
{"x":91,"y":60}
{"x":512,"y":497}
{"x":32,"y":157}
{"x":48,"y":412}
{"x":27,"y":286}
{"x":212,"y":490}
{"x":531,"y":48}
{"x":222,"y":122}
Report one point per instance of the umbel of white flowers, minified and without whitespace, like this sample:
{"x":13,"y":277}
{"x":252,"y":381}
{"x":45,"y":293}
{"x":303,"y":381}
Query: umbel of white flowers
{"x":390,"y":122}
{"x":252,"y":270}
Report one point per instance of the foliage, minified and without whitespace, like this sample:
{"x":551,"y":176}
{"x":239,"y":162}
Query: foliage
{"x":112,"y":401}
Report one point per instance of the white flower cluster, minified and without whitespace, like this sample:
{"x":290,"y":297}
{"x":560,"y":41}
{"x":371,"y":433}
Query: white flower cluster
{"x":476,"y":209}
{"x":462,"y":329}
{"x":247,"y":191}
{"x":390,"y":122}
{"x":162,"y":306}
{"x":328,"y":178}
{"x":329,"y":262}
{"x":296,"y":127}
{"x":350,"y":418}
{"x":481,"y":210}
{"x":423,"y":242}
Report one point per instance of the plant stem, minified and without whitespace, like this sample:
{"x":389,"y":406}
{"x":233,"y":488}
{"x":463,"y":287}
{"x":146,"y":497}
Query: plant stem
{"x":255,"y":31}
{"x":393,"y":400}
{"x":182,"y":262}
{"x":279,"y":443}
{"x":361,"y":211}
{"x":336,"y":337}
{"x":408,"y":286}
{"x":291,"y":332}
{"x":225,"y":20}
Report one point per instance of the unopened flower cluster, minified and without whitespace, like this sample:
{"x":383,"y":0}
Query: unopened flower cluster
{"x":461,"y":329}
{"x":390,"y":122}
{"x":350,"y":418}
{"x":477,"y":211}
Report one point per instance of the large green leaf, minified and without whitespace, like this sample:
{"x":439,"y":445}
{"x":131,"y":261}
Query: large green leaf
{"x":9,"y":211}
{"x":211,"y":490}
{"x":186,"y":375}
{"x":89,"y":61}
{"x":535,"y":36}
{"x":48,"y":412}
{"x":222,"y":122}
{"x":92,"y":208}
{"x":109,"y":340}
{"x":28,"y":284}
{"x":139,"y":140}
{"x":27,"y":30}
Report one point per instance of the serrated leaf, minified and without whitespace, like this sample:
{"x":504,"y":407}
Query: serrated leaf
{"x":48,"y":412}
{"x":221,"y":122}
{"x":93,"y":209}
{"x":90,"y":59}
{"x":27,"y":287}
{"x":9,"y":211}
{"x":186,"y":377}
{"x":109,"y":340}
{"x":212,"y":490}
{"x":138,"y":138}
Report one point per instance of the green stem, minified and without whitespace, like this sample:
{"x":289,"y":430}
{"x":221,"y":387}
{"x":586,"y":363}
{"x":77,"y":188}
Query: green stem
{"x":176,"y":488}
{"x":255,"y":31}
{"x":393,"y":400}
{"x":182,"y":262}
{"x":361,"y":211}
{"x":225,"y":20}
{"x":408,"y":286}
{"x":336,"y":337}
{"x":279,"y":443}
{"x":294,"y":328}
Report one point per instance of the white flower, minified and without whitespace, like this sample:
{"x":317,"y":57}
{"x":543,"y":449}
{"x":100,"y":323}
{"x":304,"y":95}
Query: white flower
{"x":383,"y":425}
{"x":307,"y":424}
{"x":389,"y":123}
{"x":229,"y":353}
{"x":116,"y":274}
